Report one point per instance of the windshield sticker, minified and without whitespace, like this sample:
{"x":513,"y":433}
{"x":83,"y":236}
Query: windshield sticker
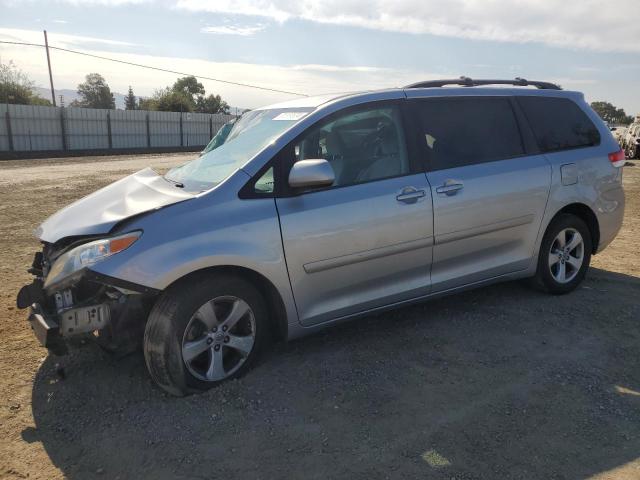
{"x":290,"y":116}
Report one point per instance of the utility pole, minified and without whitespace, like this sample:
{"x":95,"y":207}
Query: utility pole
{"x":46,"y":46}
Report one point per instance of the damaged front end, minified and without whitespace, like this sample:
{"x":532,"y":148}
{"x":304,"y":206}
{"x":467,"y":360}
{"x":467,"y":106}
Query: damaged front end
{"x":69,"y":301}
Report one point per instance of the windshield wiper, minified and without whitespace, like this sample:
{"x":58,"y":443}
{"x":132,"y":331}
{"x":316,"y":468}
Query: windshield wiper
{"x":175,"y":182}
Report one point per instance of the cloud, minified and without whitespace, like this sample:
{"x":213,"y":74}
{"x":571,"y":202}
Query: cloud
{"x":69,"y":70}
{"x":58,"y":39}
{"x":572,"y":83}
{"x":101,"y":3}
{"x":338,"y":68}
{"x":275,"y":10}
{"x":106,"y":3}
{"x":243,"y":31}
{"x":577,"y":24}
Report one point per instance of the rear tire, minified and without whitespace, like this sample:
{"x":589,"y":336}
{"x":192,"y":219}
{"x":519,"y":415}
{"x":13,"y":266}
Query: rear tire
{"x":204,"y":331}
{"x":565,"y":254}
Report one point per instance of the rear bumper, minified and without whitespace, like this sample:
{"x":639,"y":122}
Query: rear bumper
{"x":610,"y":215}
{"x":47,"y":331}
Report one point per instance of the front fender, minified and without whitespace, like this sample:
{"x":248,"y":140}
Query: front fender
{"x":211,"y":231}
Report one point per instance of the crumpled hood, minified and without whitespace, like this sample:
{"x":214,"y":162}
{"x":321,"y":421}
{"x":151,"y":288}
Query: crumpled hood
{"x":98,"y":212}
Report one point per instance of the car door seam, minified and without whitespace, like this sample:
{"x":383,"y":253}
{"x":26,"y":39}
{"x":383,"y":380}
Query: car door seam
{"x":284,"y":256}
{"x":534,"y":257}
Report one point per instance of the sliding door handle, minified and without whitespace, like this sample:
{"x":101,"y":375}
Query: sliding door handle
{"x":410,"y":195}
{"x":450,"y":187}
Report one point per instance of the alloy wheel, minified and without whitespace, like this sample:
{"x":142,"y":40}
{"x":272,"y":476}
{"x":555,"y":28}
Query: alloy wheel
{"x":219,"y":338}
{"x":566,"y":255}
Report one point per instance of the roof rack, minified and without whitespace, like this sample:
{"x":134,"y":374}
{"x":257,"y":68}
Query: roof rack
{"x":469,"y":82}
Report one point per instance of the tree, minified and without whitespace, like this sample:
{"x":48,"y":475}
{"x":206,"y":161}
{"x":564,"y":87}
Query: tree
{"x":166,"y":100}
{"x":190,"y":87}
{"x":148,"y":103}
{"x":611,"y":114}
{"x":171,"y":101}
{"x":36,"y":100}
{"x":130,"y":101}
{"x":186,"y":95}
{"x":211,"y":104}
{"x":94,"y":93}
{"x":17,"y":88}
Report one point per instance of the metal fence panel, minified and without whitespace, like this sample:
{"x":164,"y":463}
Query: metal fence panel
{"x":196,"y":128}
{"x":164,"y":129}
{"x":129,"y":128}
{"x":35,"y":128}
{"x":4,"y":135}
{"x":86,"y":128}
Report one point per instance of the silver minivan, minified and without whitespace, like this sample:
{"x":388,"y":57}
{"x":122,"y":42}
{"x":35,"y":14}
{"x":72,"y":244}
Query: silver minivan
{"x":325,"y":209}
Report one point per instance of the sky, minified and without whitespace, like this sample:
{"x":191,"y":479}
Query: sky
{"x":326,"y":46}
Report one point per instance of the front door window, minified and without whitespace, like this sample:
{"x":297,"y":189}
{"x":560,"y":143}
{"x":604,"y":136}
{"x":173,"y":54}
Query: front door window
{"x":361,"y":146}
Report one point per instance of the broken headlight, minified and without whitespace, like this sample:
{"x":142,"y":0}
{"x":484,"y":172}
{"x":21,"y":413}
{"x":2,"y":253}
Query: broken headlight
{"x":87,"y":254}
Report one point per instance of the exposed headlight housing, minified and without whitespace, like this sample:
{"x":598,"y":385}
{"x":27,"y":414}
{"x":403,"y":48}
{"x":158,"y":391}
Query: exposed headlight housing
{"x":88,"y":254}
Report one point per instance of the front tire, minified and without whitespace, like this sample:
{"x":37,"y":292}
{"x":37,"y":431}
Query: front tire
{"x":204,"y":331}
{"x":565,"y":254}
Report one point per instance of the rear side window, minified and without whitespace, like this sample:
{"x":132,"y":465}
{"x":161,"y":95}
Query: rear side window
{"x":468,"y":130}
{"x":558,"y":123}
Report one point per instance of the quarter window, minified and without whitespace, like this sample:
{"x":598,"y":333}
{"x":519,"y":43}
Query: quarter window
{"x":468,"y":130}
{"x":558,"y":123}
{"x":265,"y":184}
{"x":360,"y":146}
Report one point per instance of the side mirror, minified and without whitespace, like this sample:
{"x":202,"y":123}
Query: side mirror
{"x":311,"y":173}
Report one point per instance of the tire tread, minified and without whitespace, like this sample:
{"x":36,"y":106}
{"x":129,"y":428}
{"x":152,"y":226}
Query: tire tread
{"x":542,"y":279}
{"x":162,"y":351}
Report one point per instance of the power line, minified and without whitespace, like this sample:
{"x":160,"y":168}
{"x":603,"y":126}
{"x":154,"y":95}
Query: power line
{"x":247,"y":85}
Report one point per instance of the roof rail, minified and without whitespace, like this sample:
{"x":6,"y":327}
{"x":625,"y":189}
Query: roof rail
{"x":469,"y":82}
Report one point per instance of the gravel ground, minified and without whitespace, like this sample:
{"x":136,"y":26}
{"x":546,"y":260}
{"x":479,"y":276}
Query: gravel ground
{"x":501,"y":382}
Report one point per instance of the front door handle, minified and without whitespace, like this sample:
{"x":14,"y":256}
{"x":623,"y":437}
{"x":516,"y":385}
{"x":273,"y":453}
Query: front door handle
{"x":410,"y":195}
{"x":450,"y":187}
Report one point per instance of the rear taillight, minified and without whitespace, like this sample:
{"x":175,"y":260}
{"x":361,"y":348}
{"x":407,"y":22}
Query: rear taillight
{"x":617,"y":158}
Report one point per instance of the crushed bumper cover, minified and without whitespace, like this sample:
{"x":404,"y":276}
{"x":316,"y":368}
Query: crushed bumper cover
{"x":110,"y":310}
{"x":47,"y":331}
{"x":30,"y":294}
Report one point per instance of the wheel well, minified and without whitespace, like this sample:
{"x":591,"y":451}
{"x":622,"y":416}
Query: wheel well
{"x":583,"y":212}
{"x":275,"y":304}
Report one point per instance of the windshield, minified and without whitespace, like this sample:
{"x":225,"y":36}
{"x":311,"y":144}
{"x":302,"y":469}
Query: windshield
{"x":220,"y":137}
{"x":250,"y":134}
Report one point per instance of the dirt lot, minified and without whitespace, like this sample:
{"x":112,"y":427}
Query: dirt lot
{"x":502,"y":382}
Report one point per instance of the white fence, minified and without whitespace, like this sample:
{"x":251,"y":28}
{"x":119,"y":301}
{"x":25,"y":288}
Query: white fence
{"x":26,"y":128}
